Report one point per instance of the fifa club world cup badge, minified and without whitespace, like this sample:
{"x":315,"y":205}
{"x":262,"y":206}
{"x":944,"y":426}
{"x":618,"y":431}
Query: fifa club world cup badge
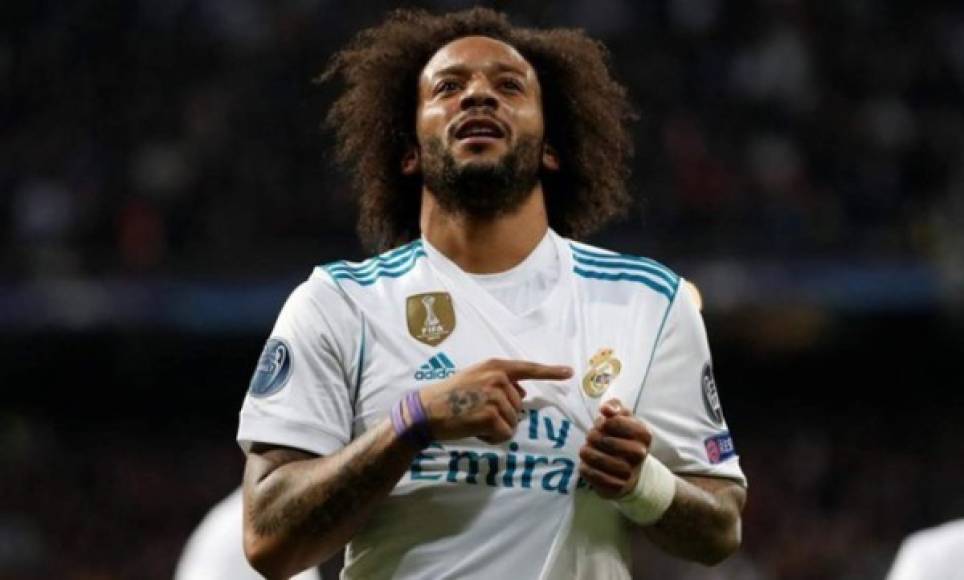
{"x":603,"y":370}
{"x":431,"y":317}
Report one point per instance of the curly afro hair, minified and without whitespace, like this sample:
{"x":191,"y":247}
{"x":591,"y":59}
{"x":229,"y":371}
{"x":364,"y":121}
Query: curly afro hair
{"x":586,"y":114}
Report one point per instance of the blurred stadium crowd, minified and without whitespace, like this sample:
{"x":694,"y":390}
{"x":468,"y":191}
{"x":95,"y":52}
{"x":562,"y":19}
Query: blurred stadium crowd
{"x":179,"y":140}
{"x":179,"y":136}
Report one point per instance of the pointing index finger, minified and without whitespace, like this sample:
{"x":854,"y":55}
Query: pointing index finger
{"x":519,"y":370}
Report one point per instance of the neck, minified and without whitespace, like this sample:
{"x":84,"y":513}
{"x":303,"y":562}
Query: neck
{"x":485,"y":246}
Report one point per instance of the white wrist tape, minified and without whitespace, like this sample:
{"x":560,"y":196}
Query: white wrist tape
{"x":652,"y":495}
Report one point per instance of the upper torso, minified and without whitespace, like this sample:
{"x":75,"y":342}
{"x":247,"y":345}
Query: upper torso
{"x":465,"y":508}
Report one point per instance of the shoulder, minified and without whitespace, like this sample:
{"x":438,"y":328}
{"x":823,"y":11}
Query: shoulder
{"x":394,"y":263}
{"x":626,"y":271}
{"x":319,"y":303}
{"x":943,"y":538}
{"x":933,"y":553}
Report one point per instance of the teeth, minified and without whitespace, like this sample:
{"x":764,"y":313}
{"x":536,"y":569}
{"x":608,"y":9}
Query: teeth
{"x":479,"y":131}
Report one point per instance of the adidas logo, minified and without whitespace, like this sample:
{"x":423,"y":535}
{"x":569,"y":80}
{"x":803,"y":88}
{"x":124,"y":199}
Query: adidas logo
{"x":437,"y":367}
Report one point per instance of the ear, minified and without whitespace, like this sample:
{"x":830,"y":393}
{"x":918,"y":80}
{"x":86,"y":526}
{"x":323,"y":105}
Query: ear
{"x":550,"y":158}
{"x":411,"y":162}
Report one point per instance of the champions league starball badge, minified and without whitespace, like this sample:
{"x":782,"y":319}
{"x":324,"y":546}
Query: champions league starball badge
{"x":431,"y":317}
{"x":603,"y":370}
{"x":274,"y":368}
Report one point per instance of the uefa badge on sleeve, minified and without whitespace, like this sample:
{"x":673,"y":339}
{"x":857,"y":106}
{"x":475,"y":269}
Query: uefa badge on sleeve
{"x":719,"y":447}
{"x":431,"y":317}
{"x":274,"y":369}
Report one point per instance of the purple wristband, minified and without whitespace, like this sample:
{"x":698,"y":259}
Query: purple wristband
{"x":416,"y":433}
{"x":404,"y":431}
{"x":419,"y":424}
{"x":398,"y":422}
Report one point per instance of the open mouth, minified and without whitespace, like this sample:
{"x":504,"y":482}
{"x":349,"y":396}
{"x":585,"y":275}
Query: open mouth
{"x":479,"y":129}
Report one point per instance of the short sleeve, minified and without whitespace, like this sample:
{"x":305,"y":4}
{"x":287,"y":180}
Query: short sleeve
{"x":302,"y":388}
{"x":679,"y":400}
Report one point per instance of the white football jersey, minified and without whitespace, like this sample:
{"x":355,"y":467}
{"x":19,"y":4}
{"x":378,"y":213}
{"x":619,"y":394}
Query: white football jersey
{"x":354,"y":337}
{"x":930,"y":554}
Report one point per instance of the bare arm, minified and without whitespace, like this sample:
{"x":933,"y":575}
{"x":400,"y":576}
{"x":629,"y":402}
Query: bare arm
{"x":300,"y":509}
{"x":702,"y":523}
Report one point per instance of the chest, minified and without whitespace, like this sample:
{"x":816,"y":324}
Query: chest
{"x":430,"y":336}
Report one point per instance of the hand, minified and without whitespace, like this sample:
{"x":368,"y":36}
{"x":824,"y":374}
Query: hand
{"x":484,"y":400}
{"x":615,"y":449}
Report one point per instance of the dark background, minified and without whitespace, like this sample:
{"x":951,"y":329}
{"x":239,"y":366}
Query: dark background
{"x":164,"y":185}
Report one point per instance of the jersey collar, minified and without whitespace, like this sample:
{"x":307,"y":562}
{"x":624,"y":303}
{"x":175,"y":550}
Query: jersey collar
{"x":465,"y":288}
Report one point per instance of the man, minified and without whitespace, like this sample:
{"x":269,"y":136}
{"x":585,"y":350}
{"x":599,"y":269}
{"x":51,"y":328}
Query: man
{"x":490,"y":400}
{"x":936,"y":552}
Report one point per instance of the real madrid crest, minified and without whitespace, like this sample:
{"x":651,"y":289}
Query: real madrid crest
{"x":431,"y":317}
{"x":603,"y":370}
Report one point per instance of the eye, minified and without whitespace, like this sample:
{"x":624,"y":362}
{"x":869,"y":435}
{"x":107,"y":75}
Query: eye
{"x":446,"y":86}
{"x":511,"y":85}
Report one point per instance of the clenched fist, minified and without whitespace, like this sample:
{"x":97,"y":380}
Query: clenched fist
{"x":615,"y":449}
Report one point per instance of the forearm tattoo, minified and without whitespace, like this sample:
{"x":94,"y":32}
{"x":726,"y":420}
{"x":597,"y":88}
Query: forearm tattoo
{"x":688,"y":518}
{"x":359,"y":477}
{"x":698,"y":520}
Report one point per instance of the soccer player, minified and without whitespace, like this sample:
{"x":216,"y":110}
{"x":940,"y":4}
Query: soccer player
{"x":932,"y":553}
{"x":490,"y":399}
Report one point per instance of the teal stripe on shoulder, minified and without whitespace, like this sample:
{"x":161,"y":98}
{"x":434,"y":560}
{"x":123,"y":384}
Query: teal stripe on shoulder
{"x":620,"y":261}
{"x":668,"y":291}
{"x":375,"y":268}
{"x":385,"y":260}
{"x":416,"y":243}
{"x":627,"y":265}
{"x":397,"y":268}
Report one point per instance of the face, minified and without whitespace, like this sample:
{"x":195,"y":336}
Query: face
{"x":479,"y":127}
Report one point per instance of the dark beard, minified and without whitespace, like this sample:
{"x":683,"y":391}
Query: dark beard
{"x":482,"y":191}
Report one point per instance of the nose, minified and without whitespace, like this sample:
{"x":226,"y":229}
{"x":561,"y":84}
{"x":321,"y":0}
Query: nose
{"x":478,"y":94}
